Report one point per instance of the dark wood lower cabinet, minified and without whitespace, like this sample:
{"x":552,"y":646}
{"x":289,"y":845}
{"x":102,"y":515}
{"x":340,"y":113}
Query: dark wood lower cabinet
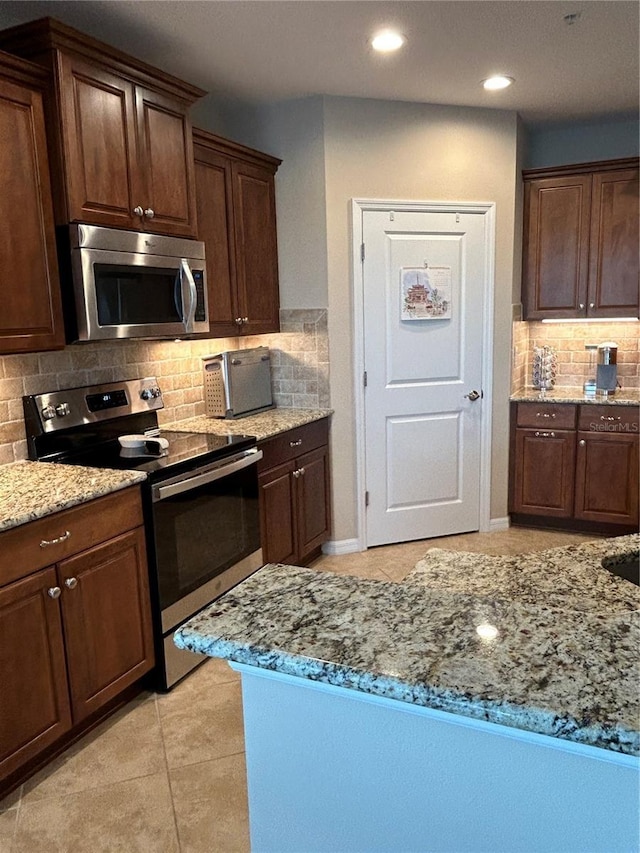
{"x":582,"y":476}
{"x":607,"y":478}
{"x":73,"y":635}
{"x":35,"y":709}
{"x":295,"y":494}
{"x":544,"y":473}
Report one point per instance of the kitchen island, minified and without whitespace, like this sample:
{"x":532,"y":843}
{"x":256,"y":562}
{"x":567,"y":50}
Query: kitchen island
{"x":436,"y":716}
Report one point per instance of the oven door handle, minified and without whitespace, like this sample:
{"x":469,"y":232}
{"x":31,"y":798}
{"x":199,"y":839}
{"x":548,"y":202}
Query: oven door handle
{"x":250,"y":457}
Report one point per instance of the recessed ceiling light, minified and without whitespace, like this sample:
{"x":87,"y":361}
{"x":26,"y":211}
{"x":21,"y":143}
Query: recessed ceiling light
{"x":498,"y":81}
{"x":386,"y":41}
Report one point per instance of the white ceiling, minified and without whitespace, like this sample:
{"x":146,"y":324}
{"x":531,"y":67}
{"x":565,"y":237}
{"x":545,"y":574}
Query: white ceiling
{"x":268,"y":50}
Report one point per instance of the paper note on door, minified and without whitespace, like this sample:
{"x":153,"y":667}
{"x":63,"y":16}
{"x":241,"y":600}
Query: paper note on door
{"x":425,"y":293}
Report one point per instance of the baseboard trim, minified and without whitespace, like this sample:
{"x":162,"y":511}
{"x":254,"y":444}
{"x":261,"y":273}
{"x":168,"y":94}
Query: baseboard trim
{"x":496,"y":524}
{"x":335,"y":547}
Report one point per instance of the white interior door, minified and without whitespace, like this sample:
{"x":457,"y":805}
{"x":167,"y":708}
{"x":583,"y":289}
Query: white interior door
{"x":423,"y":430}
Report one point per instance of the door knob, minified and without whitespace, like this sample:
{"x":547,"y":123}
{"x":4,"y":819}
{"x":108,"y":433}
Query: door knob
{"x":149,"y":213}
{"x":474,"y":395}
{"x":138,"y":210}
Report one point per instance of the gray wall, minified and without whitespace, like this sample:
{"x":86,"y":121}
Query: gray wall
{"x":582,"y":143}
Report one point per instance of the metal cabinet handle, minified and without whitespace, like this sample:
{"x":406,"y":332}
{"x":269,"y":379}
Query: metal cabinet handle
{"x":545,"y":415}
{"x":592,"y":305}
{"x":296,"y":473}
{"x":46,"y":542}
{"x":302,"y":472}
{"x":545,"y":434}
{"x":581,"y":305}
{"x":54,"y":592}
{"x":138,"y":211}
{"x":295,"y":443}
{"x":149,"y":213}
{"x":610,"y":418}
{"x":582,"y":442}
{"x":245,"y":319}
{"x":71,"y":583}
{"x":239,"y":321}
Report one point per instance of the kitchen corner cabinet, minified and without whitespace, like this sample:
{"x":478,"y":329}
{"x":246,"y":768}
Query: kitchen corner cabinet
{"x":295,"y":494}
{"x":236,"y":211}
{"x":75,"y":621}
{"x":580,"y":252}
{"x":575,"y":466}
{"x":119,"y":133}
{"x":31,"y":315}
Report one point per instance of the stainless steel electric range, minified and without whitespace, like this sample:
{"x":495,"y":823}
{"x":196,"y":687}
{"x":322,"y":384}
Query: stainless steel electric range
{"x":200,"y":497}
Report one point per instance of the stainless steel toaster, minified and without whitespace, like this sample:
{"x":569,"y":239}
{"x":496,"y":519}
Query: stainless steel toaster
{"x":237,"y":383}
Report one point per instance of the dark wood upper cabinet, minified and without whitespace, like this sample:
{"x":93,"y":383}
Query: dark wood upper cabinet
{"x":580,"y":254}
{"x":118,"y":132}
{"x":31,"y":315}
{"x":235,"y":192}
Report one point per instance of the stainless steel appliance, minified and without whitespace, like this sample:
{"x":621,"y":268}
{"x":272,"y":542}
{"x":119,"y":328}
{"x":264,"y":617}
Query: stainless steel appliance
{"x":607,"y":370}
{"x":237,"y":383}
{"x":200,"y":498}
{"x":127,"y":284}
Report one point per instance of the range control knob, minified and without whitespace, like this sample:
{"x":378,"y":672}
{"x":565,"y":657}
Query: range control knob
{"x":48,"y":412}
{"x":63,"y":409}
{"x":155,"y":391}
{"x":146,"y":393}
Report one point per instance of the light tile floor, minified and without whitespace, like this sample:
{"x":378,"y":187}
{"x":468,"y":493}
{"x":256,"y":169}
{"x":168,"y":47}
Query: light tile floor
{"x":166,"y":773}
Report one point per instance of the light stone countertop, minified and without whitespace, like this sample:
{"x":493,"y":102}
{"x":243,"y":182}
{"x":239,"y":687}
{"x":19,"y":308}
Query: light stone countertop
{"x":30,"y":490}
{"x":563,"y":665}
{"x":622,"y":397}
{"x":263,"y":425}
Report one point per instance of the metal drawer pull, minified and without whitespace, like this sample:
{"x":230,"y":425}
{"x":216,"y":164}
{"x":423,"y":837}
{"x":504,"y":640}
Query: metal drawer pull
{"x":71,"y":583}
{"x":54,"y":592}
{"x":545,"y":434}
{"x":610,"y":418}
{"x":138,"y":210}
{"x":545,"y":415}
{"x":46,"y":542}
{"x":299,"y":472}
{"x":302,"y":472}
{"x":295,"y":443}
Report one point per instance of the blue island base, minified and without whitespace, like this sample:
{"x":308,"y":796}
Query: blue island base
{"x":333,"y":770}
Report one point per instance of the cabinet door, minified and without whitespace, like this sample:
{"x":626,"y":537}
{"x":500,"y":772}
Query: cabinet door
{"x":256,"y":249}
{"x":278,"y":520}
{"x":556,"y":246}
{"x":544,"y":472}
{"x":31,"y":315}
{"x":34,"y":709}
{"x":165,"y":160}
{"x":107,"y":620}
{"x":613,"y":267}
{"x":607,"y":478}
{"x":215,"y":228}
{"x":312,"y":499}
{"x":97,"y":111}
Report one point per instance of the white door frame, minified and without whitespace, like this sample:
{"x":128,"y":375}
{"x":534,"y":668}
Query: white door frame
{"x":488,"y":209}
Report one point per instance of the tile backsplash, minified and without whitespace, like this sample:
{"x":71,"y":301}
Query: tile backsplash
{"x":569,"y":339}
{"x":300,"y":372}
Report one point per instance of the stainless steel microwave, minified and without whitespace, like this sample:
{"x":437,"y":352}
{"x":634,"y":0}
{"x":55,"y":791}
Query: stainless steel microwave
{"x":128,"y":284}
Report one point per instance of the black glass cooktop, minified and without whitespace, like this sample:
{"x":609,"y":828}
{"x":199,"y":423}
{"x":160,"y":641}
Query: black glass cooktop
{"x":185,"y":450}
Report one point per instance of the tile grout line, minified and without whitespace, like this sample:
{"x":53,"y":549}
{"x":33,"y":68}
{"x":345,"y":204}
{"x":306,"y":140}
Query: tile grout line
{"x":167,"y":772}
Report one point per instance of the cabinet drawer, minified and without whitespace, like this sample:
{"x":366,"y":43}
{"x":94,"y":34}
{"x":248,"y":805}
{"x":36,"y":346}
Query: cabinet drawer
{"x":86,"y":525}
{"x":547,"y":415}
{"x":288,"y":445}
{"x":609,"y":418}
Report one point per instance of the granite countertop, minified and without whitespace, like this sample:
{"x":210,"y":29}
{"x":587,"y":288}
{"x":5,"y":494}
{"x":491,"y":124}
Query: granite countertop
{"x":30,"y":490}
{"x":263,"y":425}
{"x":622,"y":397}
{"x":557,"y":653}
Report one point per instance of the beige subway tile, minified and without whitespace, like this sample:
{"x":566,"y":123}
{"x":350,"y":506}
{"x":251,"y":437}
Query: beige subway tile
{"x":20,"y":450}
{"x":10,"y":389}
{"x":11,"y":431}
{"x":17,"y":366}
{"x":6,"y":454}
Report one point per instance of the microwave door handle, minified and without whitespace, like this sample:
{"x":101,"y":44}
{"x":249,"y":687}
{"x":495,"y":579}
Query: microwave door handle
{"x":189,"y":295}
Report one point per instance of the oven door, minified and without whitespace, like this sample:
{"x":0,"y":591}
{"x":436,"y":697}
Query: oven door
{"x":206,"y":533}
{"x":133,"y":295}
